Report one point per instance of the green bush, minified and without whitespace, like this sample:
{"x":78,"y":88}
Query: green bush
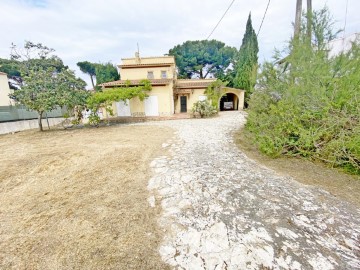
{"x":203,"y":109}
{"x":307,"y":105}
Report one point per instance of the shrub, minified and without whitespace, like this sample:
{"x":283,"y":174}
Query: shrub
{"x":308,"y":106}
{"x":203,"y":109}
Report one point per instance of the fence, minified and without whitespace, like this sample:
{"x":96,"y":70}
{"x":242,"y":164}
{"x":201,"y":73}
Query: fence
{"x":19,"y":112}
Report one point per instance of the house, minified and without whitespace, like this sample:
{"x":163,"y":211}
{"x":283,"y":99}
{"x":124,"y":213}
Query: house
{"x":5,"y":90}
{"x":169,"y":95}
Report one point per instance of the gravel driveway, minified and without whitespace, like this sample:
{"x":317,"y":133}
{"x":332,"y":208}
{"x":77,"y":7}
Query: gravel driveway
{"x":222,"y":210}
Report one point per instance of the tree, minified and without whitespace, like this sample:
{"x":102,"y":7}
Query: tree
{"x":202,"y":58}
{"x":10,"y":67}
{"x":247,"y":61}
{"x":88,"y":68}
{"x":311,"y":109}
{"x":22,"y":59}
{"x":46,"y":85}
{"x":102,"y":72}
{"x":214,"y":92}
{"x":106,"y":73}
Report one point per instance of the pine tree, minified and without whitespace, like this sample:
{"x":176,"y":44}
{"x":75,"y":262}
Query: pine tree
{"x":247,"y":62}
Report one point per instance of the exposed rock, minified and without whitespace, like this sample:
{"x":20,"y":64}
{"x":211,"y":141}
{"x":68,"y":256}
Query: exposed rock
{"x":222,"y":210}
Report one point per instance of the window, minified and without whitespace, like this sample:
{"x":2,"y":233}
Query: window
{"x":150,"y":75}
{"x":163,"y":74}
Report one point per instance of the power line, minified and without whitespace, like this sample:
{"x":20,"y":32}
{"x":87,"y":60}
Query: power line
{"x":263,"y":18}
{"x":220,"y":19}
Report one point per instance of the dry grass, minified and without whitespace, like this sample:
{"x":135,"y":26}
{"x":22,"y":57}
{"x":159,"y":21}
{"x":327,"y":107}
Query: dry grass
{"x":344,"y":186}
{"x":77,"y":199}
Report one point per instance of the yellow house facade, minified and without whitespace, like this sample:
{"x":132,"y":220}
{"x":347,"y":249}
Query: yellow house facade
{"x":5,"y":90}
{"x":169,"y":95}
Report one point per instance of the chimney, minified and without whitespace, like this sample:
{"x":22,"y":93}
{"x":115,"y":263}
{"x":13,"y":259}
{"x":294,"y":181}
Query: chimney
{"x":137,"y":57}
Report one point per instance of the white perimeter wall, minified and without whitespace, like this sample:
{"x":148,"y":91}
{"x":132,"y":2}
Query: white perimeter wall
{"x":9,"y":127}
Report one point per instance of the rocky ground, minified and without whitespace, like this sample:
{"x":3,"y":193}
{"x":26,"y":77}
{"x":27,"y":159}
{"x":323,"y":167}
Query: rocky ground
{"x":222,"y":210}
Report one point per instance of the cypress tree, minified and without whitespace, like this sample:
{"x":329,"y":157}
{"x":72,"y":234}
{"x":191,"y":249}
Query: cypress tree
{"x":247,"y":62}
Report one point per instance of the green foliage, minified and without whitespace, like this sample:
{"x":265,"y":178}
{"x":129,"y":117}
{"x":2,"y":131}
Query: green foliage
{"x":102,"y":72}
{"x":10,"y":67}
{"x":32,"y":56}
{"x":88,"y":68}
{"x":202,"y":58}
{"x":203,"y":109}
{"x":105,"y":98}
{"x":106,"y":73}
{"x":246,"y":66}
{"x":214,"y":92}
{"x":308,"y":106}
{"x":47,"y":83}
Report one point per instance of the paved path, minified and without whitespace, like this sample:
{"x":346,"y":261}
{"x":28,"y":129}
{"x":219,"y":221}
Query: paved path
{"x":222,"y":210}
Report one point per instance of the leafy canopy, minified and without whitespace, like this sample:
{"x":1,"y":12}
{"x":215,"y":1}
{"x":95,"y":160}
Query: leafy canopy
{"x":202,"y":58}
{"x":46,"y":85}
{"x":106,"y":72}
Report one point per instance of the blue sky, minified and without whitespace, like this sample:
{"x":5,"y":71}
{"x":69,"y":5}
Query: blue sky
{"x":102,"y":31}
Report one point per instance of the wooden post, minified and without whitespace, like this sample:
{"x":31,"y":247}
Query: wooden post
{"x":309,"y":19}
{"x":297,"y":18}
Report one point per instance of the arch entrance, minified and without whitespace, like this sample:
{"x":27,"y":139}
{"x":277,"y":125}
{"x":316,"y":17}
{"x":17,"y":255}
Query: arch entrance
{"x":229,"y":102}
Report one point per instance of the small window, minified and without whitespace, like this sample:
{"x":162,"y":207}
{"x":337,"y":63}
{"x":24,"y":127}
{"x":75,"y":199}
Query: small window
{"x":150,"y":75}
{"x":163,"y":74}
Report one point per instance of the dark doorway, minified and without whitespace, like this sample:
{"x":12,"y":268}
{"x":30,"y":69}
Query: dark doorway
{"x":183,"y":104}
{"x":229,"y":102}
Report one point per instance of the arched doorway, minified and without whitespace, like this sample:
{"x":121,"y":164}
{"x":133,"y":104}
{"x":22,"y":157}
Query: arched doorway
{"x":229,"y":102}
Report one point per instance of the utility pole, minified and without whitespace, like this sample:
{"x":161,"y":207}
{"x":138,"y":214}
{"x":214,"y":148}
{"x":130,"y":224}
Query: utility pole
{"x":309,"y":19}
{"x":298,"y":18}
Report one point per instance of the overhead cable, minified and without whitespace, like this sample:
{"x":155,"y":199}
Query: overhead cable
{"x":263,"y":18}
{"x":220,"y":19}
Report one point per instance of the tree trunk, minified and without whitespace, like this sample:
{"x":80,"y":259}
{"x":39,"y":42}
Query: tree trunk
{"x":297,"y":18}
{"x":309,"y":19}
{"x":92,"y":81}
{"x":201,"y":74}
{"x":40,"y":121}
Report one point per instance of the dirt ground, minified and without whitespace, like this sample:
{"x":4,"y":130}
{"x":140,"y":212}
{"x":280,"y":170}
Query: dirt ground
{"x":339,"y":184}
{"x":77,"y":199}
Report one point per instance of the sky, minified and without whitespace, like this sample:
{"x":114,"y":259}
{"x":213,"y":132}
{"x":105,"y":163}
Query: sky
{"x":108,"y":30}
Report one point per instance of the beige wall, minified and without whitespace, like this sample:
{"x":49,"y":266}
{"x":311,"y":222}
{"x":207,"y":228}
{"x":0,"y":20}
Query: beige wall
{"x":191,"y":98}
{"x":142,"y":72}
{"x":148,"y":60}
{"x":165,"y":102}
{"x":5,"y":91}
{"x":239,"y":93}
{"x":196,"y":93}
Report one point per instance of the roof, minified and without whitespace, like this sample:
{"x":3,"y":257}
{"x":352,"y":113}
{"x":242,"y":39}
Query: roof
{"x":3,"y":73}
{"x":194,"y":83}
{"x":136,"y":82}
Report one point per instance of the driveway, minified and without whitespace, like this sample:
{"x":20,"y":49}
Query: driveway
{"x":222,"y":210}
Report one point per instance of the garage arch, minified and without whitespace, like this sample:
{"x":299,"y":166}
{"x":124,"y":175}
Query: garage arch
{"x":231,"y":99}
